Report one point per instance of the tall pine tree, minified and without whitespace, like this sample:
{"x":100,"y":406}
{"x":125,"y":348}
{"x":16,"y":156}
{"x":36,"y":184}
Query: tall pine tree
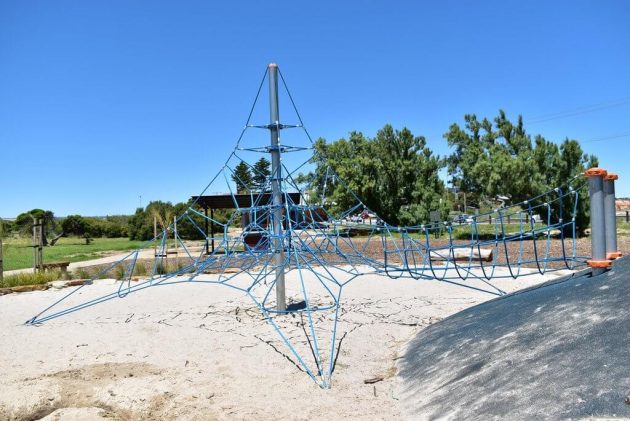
{"x":242,"y":177}
{"x":261,"y":174}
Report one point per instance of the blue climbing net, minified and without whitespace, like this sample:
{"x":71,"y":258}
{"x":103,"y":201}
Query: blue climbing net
{"x":323,"y":248}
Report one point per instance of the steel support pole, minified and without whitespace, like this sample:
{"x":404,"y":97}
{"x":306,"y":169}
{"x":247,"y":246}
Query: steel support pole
{"x":276,"y":187}
{"x":175,"y":238}
{"x":211,"y":228}
{"x":610,"y":217}
{"x":598,"y":261}
{"x":205,"y":213}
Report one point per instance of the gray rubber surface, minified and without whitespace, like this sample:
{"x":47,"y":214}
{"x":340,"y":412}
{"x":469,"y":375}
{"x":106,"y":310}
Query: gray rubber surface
{"x":553,"y":352}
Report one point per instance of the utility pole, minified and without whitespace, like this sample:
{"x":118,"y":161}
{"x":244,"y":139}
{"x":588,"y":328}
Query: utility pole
{"x":276,"y":187}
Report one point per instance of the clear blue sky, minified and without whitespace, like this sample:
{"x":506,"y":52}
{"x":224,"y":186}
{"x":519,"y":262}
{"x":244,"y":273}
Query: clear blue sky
{"x":104,"y":101}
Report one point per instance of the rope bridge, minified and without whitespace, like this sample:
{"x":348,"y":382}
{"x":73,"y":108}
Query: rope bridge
{"x":318,"y":250}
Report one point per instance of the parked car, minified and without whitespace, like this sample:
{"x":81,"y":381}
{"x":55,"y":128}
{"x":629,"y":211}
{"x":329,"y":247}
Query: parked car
{"x":462,"y":219}
{"x":356,"y":218}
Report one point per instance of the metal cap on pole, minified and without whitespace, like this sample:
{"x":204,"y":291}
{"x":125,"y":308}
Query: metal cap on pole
{"x":276,"y":187}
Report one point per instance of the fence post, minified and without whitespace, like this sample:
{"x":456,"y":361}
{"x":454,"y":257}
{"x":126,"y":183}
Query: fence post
{"x":38,"y":245}
{"x":598,"y":261}
{"x":610,"y":217}
{"x":627,"y":216}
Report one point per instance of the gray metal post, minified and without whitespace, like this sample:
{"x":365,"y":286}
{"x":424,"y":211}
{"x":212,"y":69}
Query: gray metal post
{"x":205,"y":213}
{"x":211,"y":229}
{"x":598,"y":261}
{"x":611,"y":217}
{"x":276,"y":187}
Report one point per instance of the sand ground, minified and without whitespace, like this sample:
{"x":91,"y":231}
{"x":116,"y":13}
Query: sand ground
{"x":203,"y":352}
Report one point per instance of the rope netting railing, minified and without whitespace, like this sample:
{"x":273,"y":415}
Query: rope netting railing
{"x":323,"y":248}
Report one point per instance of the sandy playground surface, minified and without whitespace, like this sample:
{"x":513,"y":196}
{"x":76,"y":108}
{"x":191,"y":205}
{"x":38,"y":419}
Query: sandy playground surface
{"x":203,"y":352}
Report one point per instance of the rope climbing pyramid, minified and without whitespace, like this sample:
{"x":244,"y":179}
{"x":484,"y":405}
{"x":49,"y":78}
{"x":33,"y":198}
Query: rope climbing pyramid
{"x":292,"y":251}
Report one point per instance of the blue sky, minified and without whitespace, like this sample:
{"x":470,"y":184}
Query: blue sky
{"x":102,"y":102}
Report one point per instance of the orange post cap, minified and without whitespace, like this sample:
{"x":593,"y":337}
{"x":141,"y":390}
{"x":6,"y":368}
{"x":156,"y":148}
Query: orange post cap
{"x":603,"y":264}
{"x":593,"y":172}
{"x":613,"y":255}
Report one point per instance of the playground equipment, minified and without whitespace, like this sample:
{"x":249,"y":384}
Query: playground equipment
{"x":307,"y":249}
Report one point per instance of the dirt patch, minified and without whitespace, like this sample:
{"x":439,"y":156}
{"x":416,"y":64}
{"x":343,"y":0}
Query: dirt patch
{"x":83,"y":388}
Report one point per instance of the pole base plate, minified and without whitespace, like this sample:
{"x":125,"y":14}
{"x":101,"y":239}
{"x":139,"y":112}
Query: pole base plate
{"x":599,"y":264}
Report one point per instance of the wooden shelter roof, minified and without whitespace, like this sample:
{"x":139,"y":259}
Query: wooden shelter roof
{"x":229,"y":201}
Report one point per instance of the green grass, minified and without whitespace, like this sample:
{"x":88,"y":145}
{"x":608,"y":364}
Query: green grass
{"x":30,"y":278}
{"x":18,"y":253}
{"x":623,"y":229}
{"x":463,"y":232}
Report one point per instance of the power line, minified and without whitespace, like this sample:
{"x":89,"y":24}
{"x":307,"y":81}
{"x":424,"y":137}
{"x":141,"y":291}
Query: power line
{"x":600,"y":139}
{"x":579,"y":111}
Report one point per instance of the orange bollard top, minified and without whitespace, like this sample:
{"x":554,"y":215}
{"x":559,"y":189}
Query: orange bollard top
{"x":604,"y":264}
{"x":593,"y":172}
{"x":613,"y":255}
{"x":611,"y":177}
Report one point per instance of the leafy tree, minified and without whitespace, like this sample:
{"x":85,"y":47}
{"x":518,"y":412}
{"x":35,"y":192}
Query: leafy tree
{"x":394,"y":174}
{"x":261,"y":174}
{"x":573,"y":161}
{"x":24,"y":222}
{"x":492,"y":159}
{"x":74,"y":225}
{"x":242,"y":177}
{"x":141,"y":224}
{"x":6,"y":227}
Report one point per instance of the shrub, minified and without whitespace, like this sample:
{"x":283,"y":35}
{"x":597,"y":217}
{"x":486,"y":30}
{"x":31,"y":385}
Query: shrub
{"x":36,"y":278}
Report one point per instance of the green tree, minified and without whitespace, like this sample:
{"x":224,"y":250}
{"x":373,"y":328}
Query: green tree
{"x":74,"y":225}
{"x":24,"y":222}
{"x":141,"y":224}
{"x":261,"y":173}
{"x":242,"y":177}
{"x":563,"y":164}
{"x":394,"y":174}
{"x":492,"y":159}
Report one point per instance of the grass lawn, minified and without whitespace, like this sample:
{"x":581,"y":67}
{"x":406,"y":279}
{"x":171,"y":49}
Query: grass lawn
{"x":484,"y":230}
{"x":18,"y":253}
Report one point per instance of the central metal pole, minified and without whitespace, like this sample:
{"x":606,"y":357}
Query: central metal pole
{"x":276,"y":187}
